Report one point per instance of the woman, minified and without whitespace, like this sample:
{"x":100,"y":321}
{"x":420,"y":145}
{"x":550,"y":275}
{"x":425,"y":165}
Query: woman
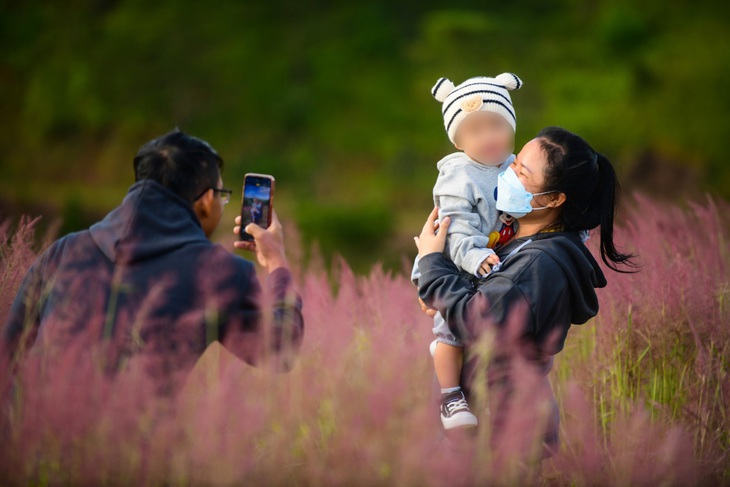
{"x":558,"y":188}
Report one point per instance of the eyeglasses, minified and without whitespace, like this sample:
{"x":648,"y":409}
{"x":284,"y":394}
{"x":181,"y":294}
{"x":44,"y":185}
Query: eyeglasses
{"x":225,"y":194}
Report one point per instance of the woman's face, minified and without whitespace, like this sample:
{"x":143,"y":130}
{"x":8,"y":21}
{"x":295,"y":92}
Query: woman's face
{"x":529,"y":165}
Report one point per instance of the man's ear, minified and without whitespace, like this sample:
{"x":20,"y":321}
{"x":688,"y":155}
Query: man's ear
{"x":202,"y":205}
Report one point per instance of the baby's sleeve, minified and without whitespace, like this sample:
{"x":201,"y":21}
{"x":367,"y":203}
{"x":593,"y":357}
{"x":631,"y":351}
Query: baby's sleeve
{"x":415,"y":273}
{"x":455,"y":197}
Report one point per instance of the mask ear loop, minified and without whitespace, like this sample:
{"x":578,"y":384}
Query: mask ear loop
{"x":544,"y":192}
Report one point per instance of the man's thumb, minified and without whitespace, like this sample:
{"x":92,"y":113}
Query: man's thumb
{"x":253,"y":230}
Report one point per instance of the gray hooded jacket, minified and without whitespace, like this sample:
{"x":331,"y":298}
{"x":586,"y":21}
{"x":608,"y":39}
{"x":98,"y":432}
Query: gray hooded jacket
{"x":466,"y":191}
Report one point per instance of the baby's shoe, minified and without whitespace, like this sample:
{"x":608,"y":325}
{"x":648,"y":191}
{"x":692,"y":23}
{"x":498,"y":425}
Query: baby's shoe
{"x":455,"y":411}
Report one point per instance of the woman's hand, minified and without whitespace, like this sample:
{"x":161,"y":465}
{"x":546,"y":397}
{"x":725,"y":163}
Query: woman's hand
{"x":268,"y":243}
{"x":433,"y":235}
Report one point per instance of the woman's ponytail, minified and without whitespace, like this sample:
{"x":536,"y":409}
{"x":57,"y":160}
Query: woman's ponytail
{"x":591,"y":189}
{"x":607,"y":199}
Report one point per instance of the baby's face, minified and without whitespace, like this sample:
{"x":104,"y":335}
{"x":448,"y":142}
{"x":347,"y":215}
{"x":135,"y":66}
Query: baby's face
{"x":486,"y":137}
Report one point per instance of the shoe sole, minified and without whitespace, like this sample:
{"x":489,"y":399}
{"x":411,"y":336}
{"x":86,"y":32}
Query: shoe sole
{"x":461,"y":420}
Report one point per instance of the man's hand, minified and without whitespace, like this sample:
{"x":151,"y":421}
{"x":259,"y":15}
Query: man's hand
{"x":433,"y":235}
{"x":268,"y":243}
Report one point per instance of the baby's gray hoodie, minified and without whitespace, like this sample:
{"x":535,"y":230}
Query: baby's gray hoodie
{"x":466,"y":191}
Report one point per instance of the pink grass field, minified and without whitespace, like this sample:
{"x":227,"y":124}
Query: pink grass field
{"x":643,"y":388}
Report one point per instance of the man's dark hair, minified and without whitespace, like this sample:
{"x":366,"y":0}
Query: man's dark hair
{"x":185,"y":165}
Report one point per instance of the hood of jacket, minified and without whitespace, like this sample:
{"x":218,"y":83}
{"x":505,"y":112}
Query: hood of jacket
{"x":581,"y":269}
{"x":582,"y":272}
{"x":151,"y":221}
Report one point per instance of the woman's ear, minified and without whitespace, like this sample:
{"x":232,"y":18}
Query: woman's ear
{"x":556,"y":200}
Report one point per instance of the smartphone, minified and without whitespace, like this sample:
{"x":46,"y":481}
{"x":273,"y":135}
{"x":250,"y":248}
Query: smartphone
{"x":258,"y":199}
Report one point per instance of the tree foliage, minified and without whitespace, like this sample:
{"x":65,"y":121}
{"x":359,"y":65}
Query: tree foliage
{"x":333,"y":97}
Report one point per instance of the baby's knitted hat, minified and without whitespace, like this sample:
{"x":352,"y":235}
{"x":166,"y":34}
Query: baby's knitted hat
{"x":480,"y":93}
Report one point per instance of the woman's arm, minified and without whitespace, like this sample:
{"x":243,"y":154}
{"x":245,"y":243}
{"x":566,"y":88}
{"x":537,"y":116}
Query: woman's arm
{"x":467,"y":310}
{"x":441,"y":287}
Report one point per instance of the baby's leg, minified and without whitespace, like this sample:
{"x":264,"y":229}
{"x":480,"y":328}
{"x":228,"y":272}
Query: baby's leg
{"x":448,"y":360}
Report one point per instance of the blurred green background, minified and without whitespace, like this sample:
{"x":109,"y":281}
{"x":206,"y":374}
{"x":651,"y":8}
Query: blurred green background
{"x":333,"y":98}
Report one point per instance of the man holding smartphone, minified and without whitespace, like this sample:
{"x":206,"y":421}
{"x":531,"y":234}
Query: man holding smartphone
{"x":148,"y":281}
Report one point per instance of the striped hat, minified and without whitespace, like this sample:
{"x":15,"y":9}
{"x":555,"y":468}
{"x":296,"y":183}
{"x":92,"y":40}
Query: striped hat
{"x":475,"y":94}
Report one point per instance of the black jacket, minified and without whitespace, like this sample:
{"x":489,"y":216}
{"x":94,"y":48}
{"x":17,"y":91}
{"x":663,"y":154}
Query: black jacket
{"x":147,"y":280}
{"x":551,"y":280}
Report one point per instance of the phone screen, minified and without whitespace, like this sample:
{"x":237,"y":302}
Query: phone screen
{"x":257,"y":193}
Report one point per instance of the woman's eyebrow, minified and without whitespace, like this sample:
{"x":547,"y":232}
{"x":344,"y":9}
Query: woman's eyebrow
{"x":528,"y":169}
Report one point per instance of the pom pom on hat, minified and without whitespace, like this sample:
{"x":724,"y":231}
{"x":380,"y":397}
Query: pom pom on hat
{"x":510,"y":81}
{"x":442,"y":88}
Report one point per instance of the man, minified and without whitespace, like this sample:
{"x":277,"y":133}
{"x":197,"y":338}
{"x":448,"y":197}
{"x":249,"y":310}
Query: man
{"x":146,"y":281}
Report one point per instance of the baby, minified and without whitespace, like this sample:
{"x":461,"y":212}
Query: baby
{"x":480,"y":121}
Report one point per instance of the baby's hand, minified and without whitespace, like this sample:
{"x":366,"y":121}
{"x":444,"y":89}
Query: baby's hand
{"x":488,"y":263}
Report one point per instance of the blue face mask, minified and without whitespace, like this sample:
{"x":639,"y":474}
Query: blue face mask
{"x":512,"y":197}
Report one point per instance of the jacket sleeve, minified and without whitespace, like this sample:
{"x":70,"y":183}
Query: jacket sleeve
{"x":268,"y":327}
{"x":467,"y":244}
{"x":23,"y":320}
{"x":466,"y":309}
